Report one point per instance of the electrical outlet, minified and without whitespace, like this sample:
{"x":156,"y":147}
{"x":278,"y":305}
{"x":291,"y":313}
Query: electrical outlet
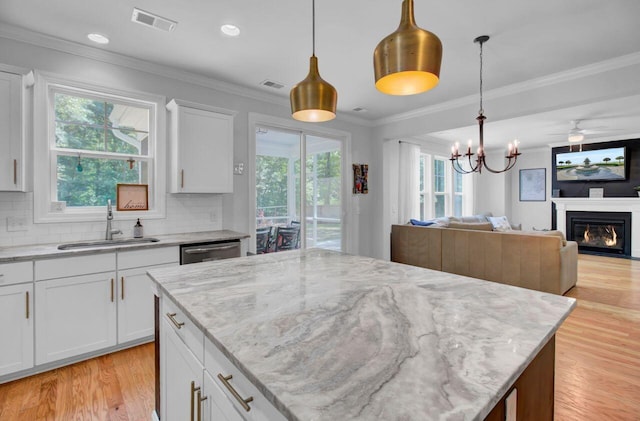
{"x":58,"y":206}
{"x":16,"y":223}
{"x":238,"y":168}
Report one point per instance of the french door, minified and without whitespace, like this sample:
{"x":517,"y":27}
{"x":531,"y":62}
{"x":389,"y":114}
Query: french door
{"x":299,"y":181}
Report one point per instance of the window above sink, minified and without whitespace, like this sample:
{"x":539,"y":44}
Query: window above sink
{"x":90,"y":138}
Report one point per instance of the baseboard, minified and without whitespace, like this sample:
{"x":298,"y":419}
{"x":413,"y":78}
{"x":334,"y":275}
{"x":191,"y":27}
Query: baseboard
{"x":72,"y":360}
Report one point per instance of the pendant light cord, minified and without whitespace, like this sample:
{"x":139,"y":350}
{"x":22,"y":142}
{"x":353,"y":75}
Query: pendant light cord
{"x":313,"y":25}
{"x":481,"y":111}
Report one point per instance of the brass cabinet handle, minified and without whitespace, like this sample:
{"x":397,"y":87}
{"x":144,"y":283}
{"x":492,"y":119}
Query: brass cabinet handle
{"x":243,"y":402}
{"x":200,"y":399}
{"x":111,"y":289}
{"x":122,"y":288}
{"x":15,"y":171}
{"x":176,"y":323}
{"x":194,"y":389}
{"x":27,"y":306}
{"x":182,"y":179}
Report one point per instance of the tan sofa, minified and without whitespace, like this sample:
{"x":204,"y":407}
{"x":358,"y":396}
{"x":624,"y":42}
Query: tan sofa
{"x":529,"y":260}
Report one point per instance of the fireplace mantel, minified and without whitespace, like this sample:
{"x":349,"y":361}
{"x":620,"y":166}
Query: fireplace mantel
{"x":606,"y":204}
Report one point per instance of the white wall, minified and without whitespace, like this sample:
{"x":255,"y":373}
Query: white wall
{"x":491,"y":192}
{"x":531,"y":214}
{"x":184,"y":213}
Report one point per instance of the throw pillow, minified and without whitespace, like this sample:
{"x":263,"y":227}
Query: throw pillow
{"x":477,"y":226}
{"x":421,"y":223}
{"x":500,"y":223}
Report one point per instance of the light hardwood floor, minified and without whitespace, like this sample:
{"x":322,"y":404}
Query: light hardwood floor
{"x":597,"y":363}
{"x":598,"y":346}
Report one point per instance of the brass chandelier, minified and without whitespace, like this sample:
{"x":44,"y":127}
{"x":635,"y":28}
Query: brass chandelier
{"x":407,"y":61}
{"x":314,"y":99}
{"x":512,"y":154}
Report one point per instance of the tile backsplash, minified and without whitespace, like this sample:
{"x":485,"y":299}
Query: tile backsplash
{"x":185,"y":213}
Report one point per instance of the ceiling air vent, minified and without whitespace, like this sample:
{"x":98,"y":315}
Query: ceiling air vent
{"x":271,"y":84}
{"x":360,"y":110}
{"x":153,"y":21}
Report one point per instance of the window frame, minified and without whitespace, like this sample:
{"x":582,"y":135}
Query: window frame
{"x":449,"y":194}
{"x":445,"y":193}
{"x":46,"y":152}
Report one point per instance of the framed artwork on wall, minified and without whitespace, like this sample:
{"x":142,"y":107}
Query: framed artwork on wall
{"x":132,"y":197}
{"x":360,"y":178}
{"x":533,"y":185}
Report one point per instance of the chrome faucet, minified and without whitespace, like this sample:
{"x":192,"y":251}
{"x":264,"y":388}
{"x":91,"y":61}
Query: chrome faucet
{"x":110,"y":232}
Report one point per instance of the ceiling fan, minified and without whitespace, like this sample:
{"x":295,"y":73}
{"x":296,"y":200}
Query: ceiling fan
{"x":576,"y":134}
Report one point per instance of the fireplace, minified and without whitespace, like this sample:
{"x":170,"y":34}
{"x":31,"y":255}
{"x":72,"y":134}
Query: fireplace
{"x":600,"y":232}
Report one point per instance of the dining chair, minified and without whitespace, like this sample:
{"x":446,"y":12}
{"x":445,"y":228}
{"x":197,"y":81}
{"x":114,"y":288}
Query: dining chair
{"x":287,"y":238}
{"x":263,"y":240}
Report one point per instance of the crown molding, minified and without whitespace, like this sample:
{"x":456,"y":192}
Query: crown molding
{"x":42,"y":40}
{"x":520,"y":87}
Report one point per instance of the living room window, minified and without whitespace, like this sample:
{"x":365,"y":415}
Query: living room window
{"x":458,"y":198}
{"x":440,"y":204}
{"x":443,"y":192}
{"x":93,"y":139}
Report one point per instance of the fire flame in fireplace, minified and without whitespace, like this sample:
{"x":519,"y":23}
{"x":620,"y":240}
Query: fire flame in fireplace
{"x":610,"y":237}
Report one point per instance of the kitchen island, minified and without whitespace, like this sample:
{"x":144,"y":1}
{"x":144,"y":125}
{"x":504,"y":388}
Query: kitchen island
{"x":321,"y":335}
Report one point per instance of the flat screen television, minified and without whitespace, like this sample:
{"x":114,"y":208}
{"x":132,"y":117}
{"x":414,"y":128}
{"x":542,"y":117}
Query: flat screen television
{"x":600,"y":164}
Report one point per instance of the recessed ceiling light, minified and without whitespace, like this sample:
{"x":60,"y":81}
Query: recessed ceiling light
{"x":230,"y":30}
{"x":98,"y":38}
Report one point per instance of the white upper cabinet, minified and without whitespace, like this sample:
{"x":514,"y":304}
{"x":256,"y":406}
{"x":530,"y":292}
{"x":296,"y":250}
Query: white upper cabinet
{"x":13,"y":129}
{"x":201,"y":142}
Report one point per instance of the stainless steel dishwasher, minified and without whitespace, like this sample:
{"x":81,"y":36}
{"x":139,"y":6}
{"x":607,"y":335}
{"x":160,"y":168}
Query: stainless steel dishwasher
{"x":206,"y":252}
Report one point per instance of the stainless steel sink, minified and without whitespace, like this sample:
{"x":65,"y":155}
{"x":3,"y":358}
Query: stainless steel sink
{"x":106,"y":243}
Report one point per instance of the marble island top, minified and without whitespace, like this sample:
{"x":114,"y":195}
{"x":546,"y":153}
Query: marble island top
{"x":327,"y":336}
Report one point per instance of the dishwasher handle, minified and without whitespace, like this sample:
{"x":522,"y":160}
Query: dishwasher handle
{"x":202,"y":250}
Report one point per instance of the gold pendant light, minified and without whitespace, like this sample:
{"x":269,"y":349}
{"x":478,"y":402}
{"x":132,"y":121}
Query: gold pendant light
{"x":314,"y":99}
{"x":407,"y":62}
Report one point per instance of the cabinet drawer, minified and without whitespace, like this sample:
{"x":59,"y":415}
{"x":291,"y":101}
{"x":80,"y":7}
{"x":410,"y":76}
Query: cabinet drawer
{"x":216,"y":363}
{"x":183,"y":327}
{"x":74,"y":266}
{"x":149,"y":257}
{"x":16,"y":273}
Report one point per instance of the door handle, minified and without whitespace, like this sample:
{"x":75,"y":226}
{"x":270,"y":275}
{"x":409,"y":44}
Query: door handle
{"x":15,"y":171}
{"x":122,"y":288}
{"x":177,"y":324}
{"x":202,"y":250}
{"x":182,"y":179}
{"x":27,"y":304}
{"x":111,"y":289}
{"x":234,"y":392}
{"x":194,"y":389}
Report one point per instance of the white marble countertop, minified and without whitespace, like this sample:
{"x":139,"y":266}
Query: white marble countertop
{"x":327,"y":336}
{"x":48,"y":251}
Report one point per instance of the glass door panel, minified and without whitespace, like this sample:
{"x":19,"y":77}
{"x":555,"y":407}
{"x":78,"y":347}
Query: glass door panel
{"x":323,"y":193}
{"x":279,"y":192}
{"x":277,"y":181}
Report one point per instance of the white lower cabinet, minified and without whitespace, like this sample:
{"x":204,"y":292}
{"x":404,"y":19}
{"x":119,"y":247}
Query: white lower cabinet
{"x":181,"y":377}
{"x":16,"y":328}
{"x":135,"y":305}
{"x":237,"y":391}
{"x":220,"y":391}
{"x":216,"y":405}
{"x":75,"y":315}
